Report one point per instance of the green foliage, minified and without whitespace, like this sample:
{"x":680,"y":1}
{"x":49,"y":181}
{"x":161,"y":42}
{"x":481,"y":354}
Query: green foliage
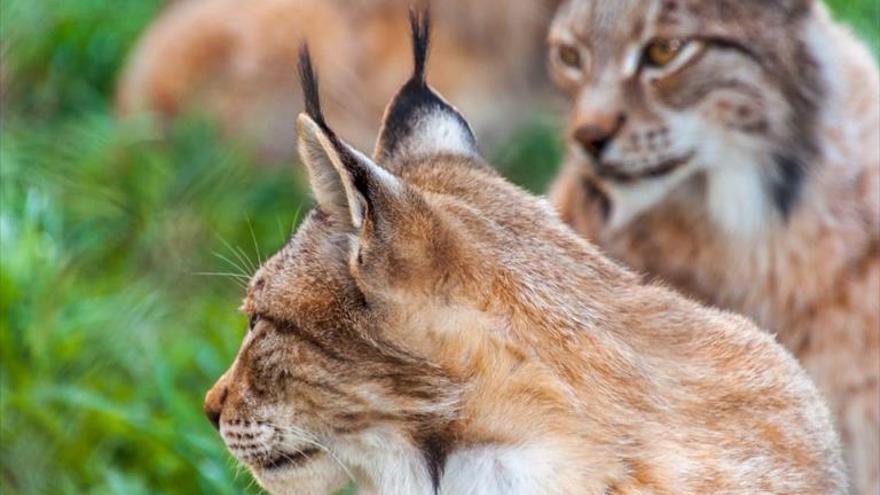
{"x":110,"y":334}
{"x":64,"y":55}
{"x":111,"y":328}
{"x":863,"y":15}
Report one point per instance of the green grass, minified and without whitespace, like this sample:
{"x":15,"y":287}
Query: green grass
{"x":863,"y":15}
{"x":109,"y":332}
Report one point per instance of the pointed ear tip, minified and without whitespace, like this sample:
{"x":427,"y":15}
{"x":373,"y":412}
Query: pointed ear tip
{"x":303,"y":120}
{"x":306,"y":126}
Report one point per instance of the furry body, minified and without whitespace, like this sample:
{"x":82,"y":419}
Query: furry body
{"x":433,"y":329}
{"x":777,"y":215}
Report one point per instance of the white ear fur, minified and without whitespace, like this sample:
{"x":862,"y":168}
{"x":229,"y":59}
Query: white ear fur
{"x":441,"y":131}
{"x":419,"y":122}
{"x":332,"y":176}
{"x":328,"y":185}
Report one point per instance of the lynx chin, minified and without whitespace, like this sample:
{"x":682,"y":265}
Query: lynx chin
{"x":433,"y":329}
{"x":731,"y":148}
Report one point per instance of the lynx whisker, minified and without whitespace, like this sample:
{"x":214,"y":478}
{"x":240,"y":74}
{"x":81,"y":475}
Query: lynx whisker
{"x":254,"y":239}
{"x":280,"y":229}
{"x":239,"y":255}
{"x":253,"y":266}
{"x":251,"y":484}
{"x":306,"y":437}
{"x":296,"y":218}
{"x":237,"y":466}
{"x":238,"y":279}
{"x":232,"y":263}
{"x":222,"y":274}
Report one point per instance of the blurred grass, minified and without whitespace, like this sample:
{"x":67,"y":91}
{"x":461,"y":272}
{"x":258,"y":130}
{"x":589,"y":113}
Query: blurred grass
{"x":109,"y":335}
{"x":863,"y":15}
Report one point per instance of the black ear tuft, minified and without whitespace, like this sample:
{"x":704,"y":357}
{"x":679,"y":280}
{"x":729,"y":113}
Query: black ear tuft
{"x":418,"y":121}
{"x":309,"y":81}
{"x":420,"y":23}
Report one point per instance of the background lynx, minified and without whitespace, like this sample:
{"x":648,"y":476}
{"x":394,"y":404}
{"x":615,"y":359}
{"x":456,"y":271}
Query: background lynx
{"x":237,"y":61}
{"x":431,"y":328}
{"x":731,"y":148}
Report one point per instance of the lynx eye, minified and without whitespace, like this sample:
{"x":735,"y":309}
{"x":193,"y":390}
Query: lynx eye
{"x":569,"y":56}
{"x":253,"y":319}
{"x":660,"y":52}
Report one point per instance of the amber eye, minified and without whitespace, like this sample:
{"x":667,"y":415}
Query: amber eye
{"x":569,"y":56}
{"x":660,"y":52}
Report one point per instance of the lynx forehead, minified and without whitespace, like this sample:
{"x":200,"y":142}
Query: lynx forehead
{"x":666,"y":92}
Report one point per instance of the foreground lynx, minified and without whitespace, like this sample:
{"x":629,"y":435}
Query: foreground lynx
{"x":732,"y":149}
{"x":432,"y":328}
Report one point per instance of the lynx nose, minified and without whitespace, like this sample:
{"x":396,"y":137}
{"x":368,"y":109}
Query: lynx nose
{"x":214,"y":402}
{"x":596,"y":133}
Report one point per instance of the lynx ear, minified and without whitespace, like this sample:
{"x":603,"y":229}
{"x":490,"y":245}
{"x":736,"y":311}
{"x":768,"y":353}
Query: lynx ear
{"x":346,"y":184}
{"x":418,"y":121}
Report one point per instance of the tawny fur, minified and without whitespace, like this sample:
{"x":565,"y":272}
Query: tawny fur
{"x":811,"y":275}
{"x":432,"y":328}
{"x":236,"y":61}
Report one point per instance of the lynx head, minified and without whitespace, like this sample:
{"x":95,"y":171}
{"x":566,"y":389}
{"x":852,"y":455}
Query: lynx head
{"x":332,"y":351}
{"x":720,"y":95}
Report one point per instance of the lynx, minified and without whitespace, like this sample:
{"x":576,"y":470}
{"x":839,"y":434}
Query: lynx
{"x":732,"y":150}
{"x":236,"y":62}
{"x":433,"y":329}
